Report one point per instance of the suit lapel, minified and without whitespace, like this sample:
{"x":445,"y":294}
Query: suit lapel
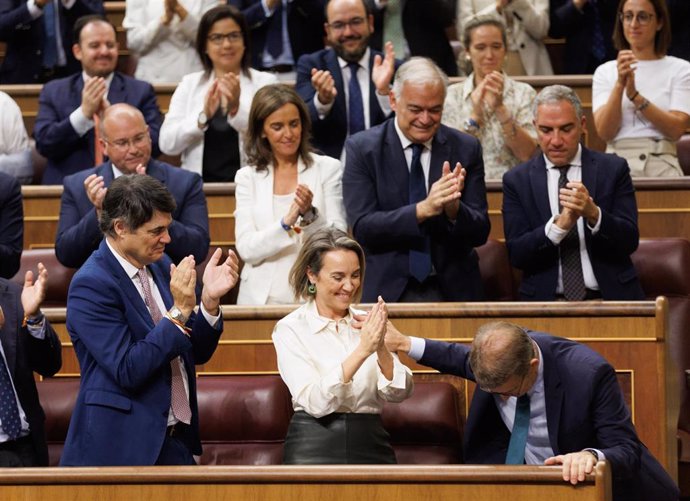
{"x":590,"y":172}
{"x":162,"y":286}
{"x":540,"y":187}
{"x":440,"y":152}
{"x":393,"y":160}
{"x":339,"y":110}
{"x":117,"y":93}
{"x":10,"y":335}
{"x":375,"y":111}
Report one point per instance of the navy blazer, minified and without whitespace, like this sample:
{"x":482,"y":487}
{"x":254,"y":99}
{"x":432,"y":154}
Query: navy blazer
{"x":526,"y":211}
{"x":376,"y":196}
{"x":121,"y":414}
{"x":57,"y":140}
{"x":577,"y":27}
{"x":25,"y":355}
{"x":584,"y":409}
{"x":304,"y":22}
{"x":424,"y":24}
{"x":78,"y":233}
{"x":24,"y":38}
{"x":11,"y":225}
{"x":328,"y":135}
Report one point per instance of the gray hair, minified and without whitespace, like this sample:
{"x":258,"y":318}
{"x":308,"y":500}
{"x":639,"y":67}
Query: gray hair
{"x":557,"y":93}
{"x":420,"y":71}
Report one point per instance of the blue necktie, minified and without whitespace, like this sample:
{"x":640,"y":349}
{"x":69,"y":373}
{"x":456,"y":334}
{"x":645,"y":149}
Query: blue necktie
{"x":356,"y":105}
{"x":420,"y":258}
{"x":49,"y":36}
{"x":518,"y":438}
{"x":274,"y":36}
{"x":598,"y":46}
{"x":9,"y":412}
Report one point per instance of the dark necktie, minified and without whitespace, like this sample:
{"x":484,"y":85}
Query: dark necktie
{"x":518,"y":437}
{"x":9,"y":411}
{"x":178,"y":397}
{"x":274,"y":35}
{"x":420,"y":258}
{"x":598,"y":45}
{"x":571,"y":263}
{"x":356,"y":104}
{"x":49,"y":36}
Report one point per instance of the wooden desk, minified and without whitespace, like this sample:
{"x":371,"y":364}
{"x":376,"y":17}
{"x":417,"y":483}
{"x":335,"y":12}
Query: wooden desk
{"x":303,"y":483}
{"x":632,"y":336}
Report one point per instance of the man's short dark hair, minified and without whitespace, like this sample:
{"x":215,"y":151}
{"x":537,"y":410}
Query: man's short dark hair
{"x":80,"y":23}
{"x":133,"y":199}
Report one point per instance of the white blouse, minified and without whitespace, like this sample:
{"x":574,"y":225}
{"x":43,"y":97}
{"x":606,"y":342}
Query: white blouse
{"x":311,"y":350}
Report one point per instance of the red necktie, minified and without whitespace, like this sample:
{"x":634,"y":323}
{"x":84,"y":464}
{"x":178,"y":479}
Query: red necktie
{"x":97,"y":146}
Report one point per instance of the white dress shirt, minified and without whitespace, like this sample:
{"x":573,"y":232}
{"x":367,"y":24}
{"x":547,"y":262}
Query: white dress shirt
{"x":311,"y":350}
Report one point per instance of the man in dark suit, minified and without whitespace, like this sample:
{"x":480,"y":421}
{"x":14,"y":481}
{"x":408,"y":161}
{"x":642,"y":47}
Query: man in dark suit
{"x":68,"y":107}
{"x":569,"y":213}
{"x":136,"y":335}
{"x":11,"y":225}
{"x":587,"y":26}
{"x":559,"y":396}
{"x":324,"y":79}
{"x":127,"y":143}
{"x":415,"y":196}
{"x":24,"y":28}
{"x":426,"y":26}
{"x":29,"y":344}
{"x":275,"y":48}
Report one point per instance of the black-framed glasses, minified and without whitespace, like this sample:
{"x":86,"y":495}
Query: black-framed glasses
{"x":643,"y":18}
{"x":233,"y":37}
{"x":355,"y":23}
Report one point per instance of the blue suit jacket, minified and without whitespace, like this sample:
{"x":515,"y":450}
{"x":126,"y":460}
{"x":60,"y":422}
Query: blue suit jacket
{"x":376,"y":196}
{"x":11,"y":225}
{"x":25,"y":355}
{"x":78,"y":234}
{"x":57,"y":140}
{"x":304,"y":22}
{"x":328,"y":135}
{"x":584,"y":409}
{"x":526,"y":210}
{"x":121,"y":413}
{"x":24,"y":38}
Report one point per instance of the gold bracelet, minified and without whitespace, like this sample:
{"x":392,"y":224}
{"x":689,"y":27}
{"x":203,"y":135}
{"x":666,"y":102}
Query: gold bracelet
{"x":186,"y":330}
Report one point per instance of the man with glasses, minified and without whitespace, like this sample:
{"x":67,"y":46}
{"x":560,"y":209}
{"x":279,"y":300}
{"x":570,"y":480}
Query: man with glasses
{"x":346,"y":87}
{"x":68,"y":109}
{"x":126,"y":140}
{"x":542,"y":399}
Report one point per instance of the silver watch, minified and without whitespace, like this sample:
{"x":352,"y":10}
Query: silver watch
{"x":177,"y":315}
{"x":202,"y":120}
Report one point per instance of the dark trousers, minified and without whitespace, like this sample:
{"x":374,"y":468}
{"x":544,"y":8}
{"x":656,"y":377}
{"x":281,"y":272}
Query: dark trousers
{"x":18,"y":453}
{"x":175,"y":451}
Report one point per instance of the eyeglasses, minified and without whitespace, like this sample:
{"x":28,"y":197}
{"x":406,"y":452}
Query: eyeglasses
{"x":233,"y":37}
{"x":124,"y":144}
{"x":643,"y":18}
{"x":355,"y":23}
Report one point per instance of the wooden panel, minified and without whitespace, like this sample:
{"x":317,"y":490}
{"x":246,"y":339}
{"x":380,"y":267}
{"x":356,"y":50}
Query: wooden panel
{"x":303,"y":483}
{"x":632,"y":336}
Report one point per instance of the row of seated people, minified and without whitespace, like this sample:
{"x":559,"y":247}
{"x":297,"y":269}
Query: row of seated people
{"x":208,"y":117}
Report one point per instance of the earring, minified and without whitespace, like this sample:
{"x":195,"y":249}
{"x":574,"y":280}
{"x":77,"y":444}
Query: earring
{"x":311,"y":289}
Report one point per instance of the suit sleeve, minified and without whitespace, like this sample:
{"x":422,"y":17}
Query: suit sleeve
{"x":77,"y":235}
{"x":55,"y":136}
{"x":304,"y":87}
{"x":189,"y":232}
{"x":447,"y":358}
{"x":253,"y":11}
{"x":565,"y":18}
{"x":11,"y":17}
{"x":86,"y":7}
{"x":45,"y":354}
{"x":11,"y":226}
{"x":534,"y":15}
{"x":331,"y":187}
{"x":179,"y":130}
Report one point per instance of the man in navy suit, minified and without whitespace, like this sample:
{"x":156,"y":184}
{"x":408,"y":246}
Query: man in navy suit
{"x":127,"y":142}
{"x":575,"y":412}
{"x":415,"y":196}
{"x":23,"y":29}
{"x":324,"y":78}
{"x":11,"y":225}
{"x":598,"y":204}
{"x":67,"y":108}
{"x":137,"y":338}
{"x":28,"y":344}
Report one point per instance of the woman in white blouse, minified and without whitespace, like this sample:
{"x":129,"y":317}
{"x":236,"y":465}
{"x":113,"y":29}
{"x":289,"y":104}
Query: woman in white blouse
{"x":339,"y":376}
{"x":285,"y":194}
{"x":208,"y":112}
{"x":161,"y":33}
{"x":527,"y":23}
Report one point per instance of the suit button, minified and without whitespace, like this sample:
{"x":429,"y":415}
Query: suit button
{"x":522,"y":45}
{"x":643,"y":156}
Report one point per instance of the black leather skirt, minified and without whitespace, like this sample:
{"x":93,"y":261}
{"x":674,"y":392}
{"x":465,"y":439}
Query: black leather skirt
{"x":339,"y":438}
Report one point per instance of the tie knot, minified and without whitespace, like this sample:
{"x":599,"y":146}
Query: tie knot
{"x":417,"y":149}
{"x":354,"y":67}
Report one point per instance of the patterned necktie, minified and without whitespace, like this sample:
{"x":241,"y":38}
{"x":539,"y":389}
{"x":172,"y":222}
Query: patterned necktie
{"x":571,"y":263}
{"x":178,"y":398}
{"x":50,"y":57}
{"x":97,"y":146}
{"x":518,"y":437}
{"x":420,"y":258}
{"x":9,"y":411}
{"x":598,"y":46}
{"x":274,"y":34}
{"x":355,"y":101}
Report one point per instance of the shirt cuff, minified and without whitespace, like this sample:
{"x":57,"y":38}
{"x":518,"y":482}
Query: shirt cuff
{"x":79,"y":122}
{"x":68,"y":4}
{"x":34,"y":10}
{"x":600,"y":455}
{"x":399,"y":380}
{"x":384,"y":103}
{"x":595,"y":228}
{"x":211,"y":319}
{"x":322,"y":109}
{"x":554,"y":233}
{"x":38,"y":330}
{"x":417,"y":346}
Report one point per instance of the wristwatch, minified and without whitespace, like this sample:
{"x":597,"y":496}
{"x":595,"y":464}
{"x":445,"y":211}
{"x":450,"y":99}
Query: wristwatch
{"x":202,"y":121}
{"x":471,"y":126}
{"x":177,"y":315}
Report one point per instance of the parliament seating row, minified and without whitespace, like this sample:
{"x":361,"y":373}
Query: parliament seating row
{"x":244,"y":419}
